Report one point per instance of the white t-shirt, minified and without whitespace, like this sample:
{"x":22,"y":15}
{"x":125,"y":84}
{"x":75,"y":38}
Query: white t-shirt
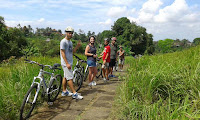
{"x":67,"y":46}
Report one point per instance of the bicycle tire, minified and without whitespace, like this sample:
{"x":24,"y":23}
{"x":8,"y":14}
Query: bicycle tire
{"x":77,"y":80}
{"x":99,"y":70}
{"x":27,"y":111}
{"x":86,"y":75}
{"x":54,"y":88}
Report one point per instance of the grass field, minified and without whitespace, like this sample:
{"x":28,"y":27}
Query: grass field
{"x":161,"y":87}
{"x":15,"y":80}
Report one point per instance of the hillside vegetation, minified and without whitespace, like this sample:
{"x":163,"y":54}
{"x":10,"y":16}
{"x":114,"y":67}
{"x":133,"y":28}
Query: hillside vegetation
{"x":163,"y":87}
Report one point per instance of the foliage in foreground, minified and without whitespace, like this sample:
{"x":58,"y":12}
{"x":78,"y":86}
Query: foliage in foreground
{"x":161,"y":87}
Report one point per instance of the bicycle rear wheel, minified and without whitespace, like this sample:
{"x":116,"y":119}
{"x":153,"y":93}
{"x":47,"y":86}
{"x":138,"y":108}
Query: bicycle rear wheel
{"x":54,"y":88}
{"x":77,"y":80}
{"x":28,"y":105}
{"x":86,"y":75}
{"x":99,"y":70}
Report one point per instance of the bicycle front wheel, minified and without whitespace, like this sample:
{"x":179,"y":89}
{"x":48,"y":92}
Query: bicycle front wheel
{"x":54,"y":88}
{"x":77,"y":80}
{"x":28,"y":102}
{"x":99,"y":70}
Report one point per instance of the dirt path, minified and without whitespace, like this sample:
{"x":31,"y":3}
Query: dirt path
{"x":96,"y":105}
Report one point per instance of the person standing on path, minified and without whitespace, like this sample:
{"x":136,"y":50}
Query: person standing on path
{"x":66,"y":55}
{"x":90,"y":52}
{"x":121,"y":58}
{"x":113,"y":55}
{"x":106,"y":59}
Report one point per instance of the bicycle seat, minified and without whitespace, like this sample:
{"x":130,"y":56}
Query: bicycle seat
{"x":56,"y":65}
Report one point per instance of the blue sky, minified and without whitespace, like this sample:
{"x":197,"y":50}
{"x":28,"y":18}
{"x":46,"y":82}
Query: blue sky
{"x":175,"y":19}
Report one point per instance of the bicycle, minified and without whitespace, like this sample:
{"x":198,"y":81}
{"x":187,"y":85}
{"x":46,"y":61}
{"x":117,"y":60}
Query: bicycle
{"x":99,"y":69}
{"x":83,"y":71}
{"x":52,"y":90}
{"x":78,"y":73}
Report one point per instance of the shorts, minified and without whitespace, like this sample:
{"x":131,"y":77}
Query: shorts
{"x":105,"y":66}
{"x":68,"y":74}
{"x":91,"y":63}
{"x":112,"y":62}
{"x":121,"y":61}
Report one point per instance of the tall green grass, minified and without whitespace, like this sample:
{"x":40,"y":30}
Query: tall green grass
{"x":15,"y":80}
{"x":161,"y":87}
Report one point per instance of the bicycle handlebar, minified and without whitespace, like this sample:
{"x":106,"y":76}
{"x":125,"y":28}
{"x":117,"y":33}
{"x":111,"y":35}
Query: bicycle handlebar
{"x":41,"y":65}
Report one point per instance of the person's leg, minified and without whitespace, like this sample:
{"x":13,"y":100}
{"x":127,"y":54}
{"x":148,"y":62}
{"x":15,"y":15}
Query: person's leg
{"x":90,"y":74}
{"x":104,"y":71}
{"x":122,"y":63}
{"x":119,"y":64}
{"x":64,"y":84}
{"x":70,"y":83}
{"x":107,"y":71}
{"x":94,"y":69}
{"x":75,"y":95}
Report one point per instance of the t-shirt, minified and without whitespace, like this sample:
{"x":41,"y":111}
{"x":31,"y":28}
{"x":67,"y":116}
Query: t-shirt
{"x":113,"y":51}
{"x":105,"y":51}
{"x":121,"y":52}
{"x":67,"y":46}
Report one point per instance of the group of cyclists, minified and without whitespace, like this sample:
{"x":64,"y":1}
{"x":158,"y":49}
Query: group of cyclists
{"x":109,"y":55}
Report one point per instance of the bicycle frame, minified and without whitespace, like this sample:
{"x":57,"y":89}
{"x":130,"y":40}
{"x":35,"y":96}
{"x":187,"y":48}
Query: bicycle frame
{"x":42,"y":82}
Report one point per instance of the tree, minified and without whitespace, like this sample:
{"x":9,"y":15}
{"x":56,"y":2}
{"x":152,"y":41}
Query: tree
{"x":121,"y":25}
{"x":130,"y":34}
{"x":196,"y":41}
{"x":165,"y":46}
{"x":12,"y":41}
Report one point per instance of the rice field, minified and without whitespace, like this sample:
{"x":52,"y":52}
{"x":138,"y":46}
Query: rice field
{"x":161,"y":87}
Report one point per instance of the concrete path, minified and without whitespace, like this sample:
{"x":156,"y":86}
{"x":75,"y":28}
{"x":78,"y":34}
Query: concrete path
{"x":96,"y":105}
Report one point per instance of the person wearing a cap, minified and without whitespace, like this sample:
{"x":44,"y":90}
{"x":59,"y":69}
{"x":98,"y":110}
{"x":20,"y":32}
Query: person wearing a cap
{"x":113,"y":55}
{"x":66,"y":55}
{"x":121,"y":57}
{"x":106,"y":59}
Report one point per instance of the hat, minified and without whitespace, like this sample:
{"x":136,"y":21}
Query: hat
{"x":69,"y":29}
{"x":106,"y":39}
{"x":113,"y":38}
{"x":120,"y":46}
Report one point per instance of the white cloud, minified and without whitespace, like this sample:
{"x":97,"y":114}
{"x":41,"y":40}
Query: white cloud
{"x":148,"y":10}
{"x":116,"y":11}
{"x":173,"y":12}
{"x":107,"y":22}
{"x":41,"y":20}
{"x":151,"y":6}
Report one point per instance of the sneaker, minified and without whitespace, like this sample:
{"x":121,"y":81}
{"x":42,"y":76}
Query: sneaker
{"x":77,"y":96}
{"x":113,"y":76}
{"x":67,"y":93}
{"x":104,"y":79}
{"x":94,"y":83}
{"x":90,"y":84}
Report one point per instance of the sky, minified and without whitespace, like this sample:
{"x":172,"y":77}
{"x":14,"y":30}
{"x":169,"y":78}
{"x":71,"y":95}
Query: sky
{"x":174,"y":19}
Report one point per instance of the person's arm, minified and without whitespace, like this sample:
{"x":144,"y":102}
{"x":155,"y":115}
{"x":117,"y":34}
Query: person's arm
{"x":65,"y":59}
{"x":77,"y":46}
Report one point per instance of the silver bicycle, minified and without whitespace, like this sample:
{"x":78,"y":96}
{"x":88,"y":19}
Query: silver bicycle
{"x":51,"y":89}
